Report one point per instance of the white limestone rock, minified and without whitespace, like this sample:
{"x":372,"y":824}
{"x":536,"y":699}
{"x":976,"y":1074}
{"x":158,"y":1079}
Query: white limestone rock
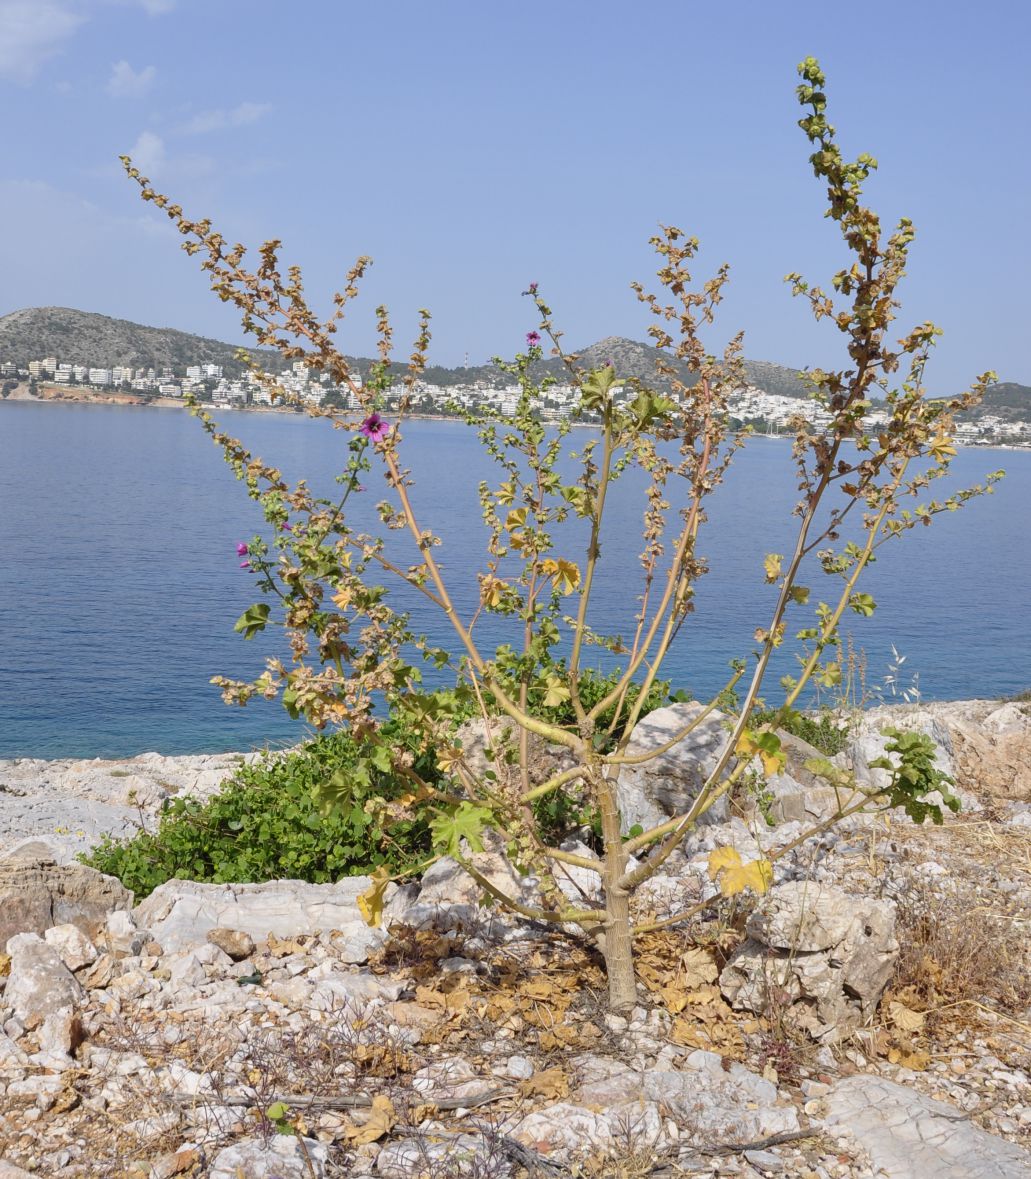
{"x":181,"y":913}
{"x":818,"y":950}
{"x":73,"y":945}
{"x":656,"y":790}
{"x":39,"y":983}
{"x":283,"y":1157}
{"x":912,"y":1136}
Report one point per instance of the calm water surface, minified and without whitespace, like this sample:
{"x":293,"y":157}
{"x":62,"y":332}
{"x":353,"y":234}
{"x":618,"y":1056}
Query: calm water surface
{"x":119,"y":582}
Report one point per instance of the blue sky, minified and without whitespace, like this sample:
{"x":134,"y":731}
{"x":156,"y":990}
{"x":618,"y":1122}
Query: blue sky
{"x":473,"y":146}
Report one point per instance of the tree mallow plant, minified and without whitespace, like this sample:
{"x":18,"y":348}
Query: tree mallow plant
{"x":352,"y":650}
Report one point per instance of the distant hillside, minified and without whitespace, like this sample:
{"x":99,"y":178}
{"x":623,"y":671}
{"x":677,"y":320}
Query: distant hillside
{"x":631,"y":359}
{"x":83,"y":337}
{"x":1007,"y":400}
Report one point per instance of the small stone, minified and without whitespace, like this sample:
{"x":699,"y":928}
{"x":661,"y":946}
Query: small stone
{"x":62,"y":1032}
{"x":815,"y":1089}
{"x":72,"y":944}
{"x":765,"y":1160}
{"x":519,"y":1068}
{"x":234,"y":942}
{"x":99,"y":974}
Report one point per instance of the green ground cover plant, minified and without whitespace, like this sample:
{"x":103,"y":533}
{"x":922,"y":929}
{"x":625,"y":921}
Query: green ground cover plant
{"x":355,"y":657}
{"x":265,"y":824}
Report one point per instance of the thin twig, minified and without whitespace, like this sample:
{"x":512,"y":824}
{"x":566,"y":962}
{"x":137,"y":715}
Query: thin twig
{"x":300,"y":1102}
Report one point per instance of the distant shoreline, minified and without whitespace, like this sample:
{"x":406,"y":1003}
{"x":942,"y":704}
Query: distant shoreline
{"x":131,"y":401}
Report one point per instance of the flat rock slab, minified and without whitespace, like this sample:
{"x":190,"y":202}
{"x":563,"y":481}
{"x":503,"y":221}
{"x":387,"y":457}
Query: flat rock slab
{"x":910,"y":1136}
{"x":181,"y":913}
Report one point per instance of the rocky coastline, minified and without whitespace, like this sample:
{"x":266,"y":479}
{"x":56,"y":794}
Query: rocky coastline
{"x":870,"y":1018}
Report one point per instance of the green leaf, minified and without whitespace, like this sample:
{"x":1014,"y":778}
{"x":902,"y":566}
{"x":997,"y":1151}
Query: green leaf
{"x":380,"y":756}
{"x":252,"y":620}
{"x":466,"y":821}
{"x":862,"y":604}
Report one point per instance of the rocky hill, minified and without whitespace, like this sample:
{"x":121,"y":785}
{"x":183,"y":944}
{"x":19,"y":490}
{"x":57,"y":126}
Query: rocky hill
{"x":1006,"y":400}
{"x":83,"y":337}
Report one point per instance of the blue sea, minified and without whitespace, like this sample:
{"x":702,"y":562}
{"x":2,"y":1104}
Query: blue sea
{"x":120,"y":584}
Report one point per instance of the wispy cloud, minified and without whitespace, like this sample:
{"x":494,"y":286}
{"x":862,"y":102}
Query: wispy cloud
{"x":31,"y":31}
{"x":223,"y":119}
{"x":148,"y":153}
{"x":150,"y":7}
{"x":125,"y":82}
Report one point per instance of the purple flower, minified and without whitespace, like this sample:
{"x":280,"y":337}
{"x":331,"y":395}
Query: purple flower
{"x":533,"y":288}
{"x":242,"y":550}
{"x":533,"y":339}
{"x":374,"y":428}
{"x":286,"y":527}
{"x":245,"y":564}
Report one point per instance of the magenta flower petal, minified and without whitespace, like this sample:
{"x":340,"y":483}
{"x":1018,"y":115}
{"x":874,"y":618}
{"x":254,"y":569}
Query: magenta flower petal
{"x":533,"y":339}
{"x":374,"y":428}
{"x":242,"y":550}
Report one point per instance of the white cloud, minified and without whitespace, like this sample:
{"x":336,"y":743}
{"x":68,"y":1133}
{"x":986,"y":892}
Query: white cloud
{"x":31,"y":31}
{"x":150,"y":7}
{"x":125,"y":82}
{"x":222,"y":120}
{"x":148,"y":153}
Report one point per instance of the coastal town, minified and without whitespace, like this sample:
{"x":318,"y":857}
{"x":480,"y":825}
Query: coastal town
{"x":299,"y":387}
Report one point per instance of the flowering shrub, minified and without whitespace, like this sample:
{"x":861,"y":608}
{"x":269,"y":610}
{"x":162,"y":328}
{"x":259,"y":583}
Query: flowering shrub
{"x":352,"y":650}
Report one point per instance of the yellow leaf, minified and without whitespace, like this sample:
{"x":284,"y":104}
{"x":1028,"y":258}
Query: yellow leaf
{"x":381,"y":1120}
{"x":720,"y":858}
{"x":449,"y":1002}
{"x":551,"y":1084}
{"x":735,"y":876}
{"x":370,"y":902}
{"x":448,"y":758}
{"x":698,"y":968}
{"x":768,"y":749}
{"x":564,"y":574}
{"x":772,"y":566}
{"x":492,"y":591}
{"x":515,"y":519}
{"x":557,"y":692}
{"x":342,"y":598}
{"x":941,"y":447}
{"x":905,"y":1018}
